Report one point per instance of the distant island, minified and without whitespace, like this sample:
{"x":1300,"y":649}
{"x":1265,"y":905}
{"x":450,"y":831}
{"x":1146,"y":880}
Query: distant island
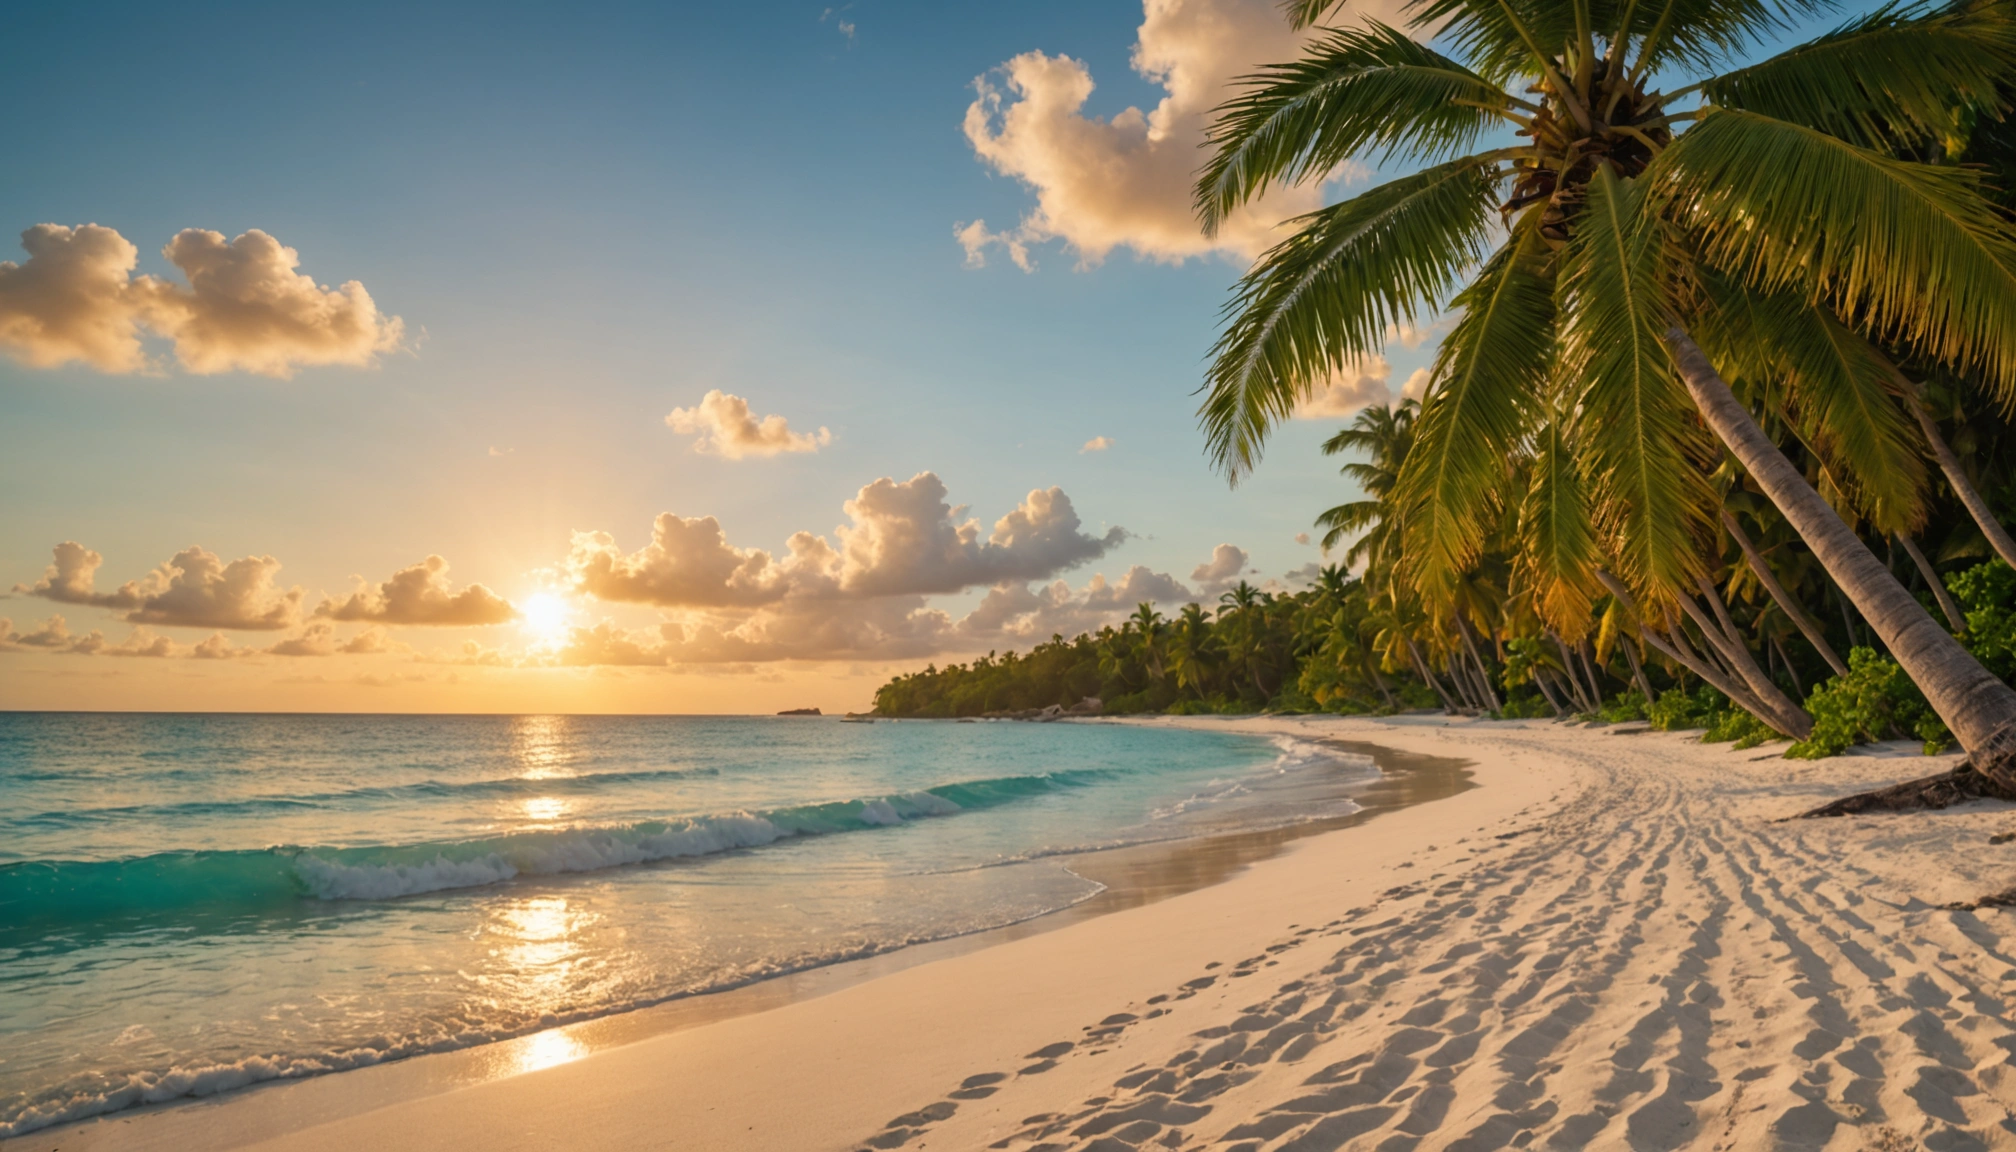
{"x":799,"y":712}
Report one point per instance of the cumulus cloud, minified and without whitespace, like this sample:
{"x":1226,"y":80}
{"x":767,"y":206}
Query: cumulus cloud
{"x":317,"y":639}
{"x":1416,"y":387}
{"x":1363,"y":384}
{"x":74,"y":299}
{"x":1226,"y":567}
{"x":1096,"y":444}
{"x":52,"y":635}
{"x":688,"y":563}
{"x":1124,"y":181}
{"x":193,"y":589}
{"x":1016,"y":613}
{"x":903,"y":539}
{"x":421,"y":594}
{"x":906,"y":538}
{"x":245,"y":306}
{"x":727,"y":428}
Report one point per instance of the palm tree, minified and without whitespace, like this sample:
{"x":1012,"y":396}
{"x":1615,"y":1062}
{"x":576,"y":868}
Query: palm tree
{"x":1149,"y":629}
{"x":1384,"y":434}
{"x":1631,"y":222}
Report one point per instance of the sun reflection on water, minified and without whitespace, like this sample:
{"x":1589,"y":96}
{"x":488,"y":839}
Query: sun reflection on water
{"x":542,"y":746}
{"x":545,"y":809}
{"x":547,"y":1049}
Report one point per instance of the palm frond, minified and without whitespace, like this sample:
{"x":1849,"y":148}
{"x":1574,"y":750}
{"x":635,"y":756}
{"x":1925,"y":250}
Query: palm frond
{"x":1701,"y":34}
{"x":1490,"y":369}
{"x":1840,"y":393}
{"x":1640,"y":447}
{"x":1320,"y":300}
{"x":1355,"y":92}
{"x":1911,"y":251}
{"x":1558,"y":552}
{"x":1894,"y":77}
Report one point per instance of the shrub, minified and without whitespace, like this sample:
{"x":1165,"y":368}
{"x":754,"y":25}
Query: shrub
{"x":1531,"y":706}
{"x":1629,"y":704}
{"x":1736,"y":724}
{"x":1988,"y":593}
{"x":1873,"y":700}
{"x":1677,"y":709}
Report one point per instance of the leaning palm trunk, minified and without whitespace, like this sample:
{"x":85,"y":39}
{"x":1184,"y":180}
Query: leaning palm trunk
{"x":1978,"y":708}
{"x":1674,"y":647}
{"x":1949,"y":464}
{"x":1483,"y":678}
{"x":1793,"y":612}
{"x":1721,"y":634}
{"x":1947,"y":604}
{"x":1428,"y":675}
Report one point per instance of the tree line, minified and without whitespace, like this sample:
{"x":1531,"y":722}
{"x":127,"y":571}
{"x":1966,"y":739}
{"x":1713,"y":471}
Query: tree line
{"x":1721,"y":412}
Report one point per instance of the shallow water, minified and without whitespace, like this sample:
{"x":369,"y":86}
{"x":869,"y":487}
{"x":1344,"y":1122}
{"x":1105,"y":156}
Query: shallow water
{"x":191,"y":903}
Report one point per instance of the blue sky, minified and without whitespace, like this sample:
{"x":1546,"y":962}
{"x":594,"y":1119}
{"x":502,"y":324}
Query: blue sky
{"x":587,"y":215}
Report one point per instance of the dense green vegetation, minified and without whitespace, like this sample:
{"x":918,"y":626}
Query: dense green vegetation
{"x":1724,"y":390}
{"x":1366,"y":645}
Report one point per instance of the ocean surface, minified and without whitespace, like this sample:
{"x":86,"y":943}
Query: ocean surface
{"x":191,"y":903}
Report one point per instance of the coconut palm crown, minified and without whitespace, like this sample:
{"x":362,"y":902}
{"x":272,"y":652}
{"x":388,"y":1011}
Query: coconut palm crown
{"x":1790,"y":217}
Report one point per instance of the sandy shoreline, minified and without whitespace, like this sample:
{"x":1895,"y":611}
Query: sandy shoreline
{"x":1605,"y":943}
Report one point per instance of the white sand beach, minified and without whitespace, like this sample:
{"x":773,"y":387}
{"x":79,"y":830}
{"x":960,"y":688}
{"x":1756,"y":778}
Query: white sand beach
{"x":1608,"y":943}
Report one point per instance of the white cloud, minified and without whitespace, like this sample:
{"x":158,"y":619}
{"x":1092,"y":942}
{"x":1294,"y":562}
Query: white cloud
{"x":1096,"y":444}
{"x":726,"y":427}
{"x":1416,"y":387}
{"x":1125,"y":181}
{"x":1301,"y":538}
{"x":903,"y":539}
{"x":1226,"y":567}
{"x":421,"y":594}
{"x":975,"y":239}
{"x":245,"y":307}
{"x":193,"y":589}
{"x":74,"y":299}
{"x":1345,"y":392}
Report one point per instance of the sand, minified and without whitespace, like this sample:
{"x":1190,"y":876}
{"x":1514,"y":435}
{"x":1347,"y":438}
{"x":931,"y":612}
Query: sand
{"x":1608,"y":943}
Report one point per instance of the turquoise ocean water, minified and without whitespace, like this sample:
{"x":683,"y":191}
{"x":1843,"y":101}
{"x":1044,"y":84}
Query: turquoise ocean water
{"x":194,"y":903}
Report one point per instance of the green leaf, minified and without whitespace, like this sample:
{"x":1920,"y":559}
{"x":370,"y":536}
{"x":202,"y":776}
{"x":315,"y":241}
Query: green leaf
{"x":1641,"y":447}
{"x":1895,"y":77}
{"x":1355,"y":91}
{"x":1488,"y":376}
{"x":1323,"y":298}
{"x":1558,"y":553}
{"x":1912,"y":251}
{"x":1840,"y":394}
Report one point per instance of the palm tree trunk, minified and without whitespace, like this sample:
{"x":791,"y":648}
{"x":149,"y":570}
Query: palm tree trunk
{"x":1428,"y":676}
{"x":1540,"y":682}
{"x":1728,"y":642}
{"x":1792,"y":670}
{"x":1979,"y":708}
{"x":1568,"y":668}
{"x":1379,"y":682}
{"x":1588,"y":654}
{"x":1638,"y":672}
{"x":1793,"y":612}
{"x":1984,"y":517}
{"x":1483,"y":677}
{"x":1676,"y":649}
{"x":1947,"y":604}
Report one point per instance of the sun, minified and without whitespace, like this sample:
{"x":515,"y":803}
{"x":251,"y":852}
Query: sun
{"x":546,"y":617}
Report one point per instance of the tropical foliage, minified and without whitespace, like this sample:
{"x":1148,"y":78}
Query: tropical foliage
{"x":1680,"y":315}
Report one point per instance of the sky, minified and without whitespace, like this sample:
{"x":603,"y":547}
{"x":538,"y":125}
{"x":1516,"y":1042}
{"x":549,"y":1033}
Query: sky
{"x":526,"y":357}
